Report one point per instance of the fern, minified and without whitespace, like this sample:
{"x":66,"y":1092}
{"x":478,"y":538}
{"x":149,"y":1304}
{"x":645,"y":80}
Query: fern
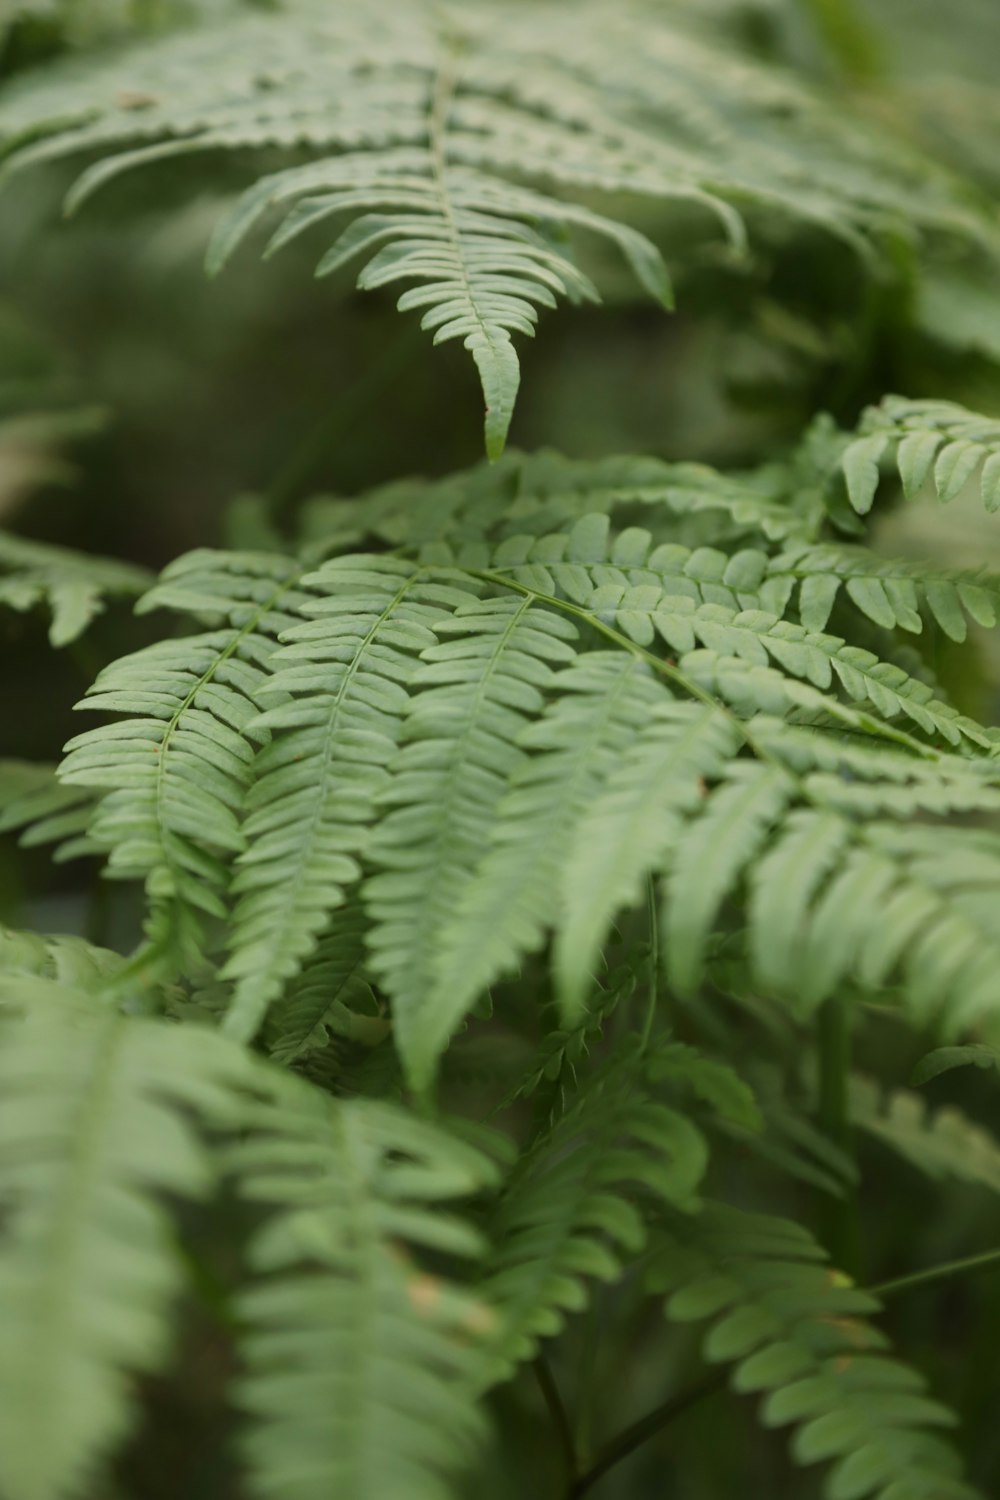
{"x":341,"y":684}
{"x":618,"y":801}
{"x":471,"y":700}
{"x":417,"y":124}
{"x":945,"y":1143}
{"x":45,"y":811}
{"x":96,"y":1126}
{"x":172,"y":775}
{"x":797,"y":1330}
{"x":934,"y":443}
{"x":568,"y":1211}
{"x":361,"y":1366}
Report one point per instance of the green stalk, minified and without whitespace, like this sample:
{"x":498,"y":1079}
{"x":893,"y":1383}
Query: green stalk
{"x":639,"y":1432}
{"x":989,"y":1260}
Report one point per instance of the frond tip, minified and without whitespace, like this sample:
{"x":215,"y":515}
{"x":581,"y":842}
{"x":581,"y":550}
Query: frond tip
{"x":461,"y":153}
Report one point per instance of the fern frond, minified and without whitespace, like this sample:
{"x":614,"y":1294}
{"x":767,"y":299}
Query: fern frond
{"x":553,"y":1071}
{"x":73,"y":586}
{"x":172,"y":775}
{"x":890,"y":593}
{"x":629,"y":826}
{"x":328,"y":994}
{"x":721,"y":602}
{"x":341,"y":684}
{"x":72,"y":961}
{"x":95,"y":1126}
{"x":943,"y":1059}
{"x":35,"y":803}
{"x":435,"y":135}
{"x":471,"y":699}
{"x":931,"y":443}
{"x":536,"y":494}
{"x":568,"y":1212}
{"x":799,"y":1331}
{"x":940,"y":1143}
{"x":362,"y":1364}
{"x":510,"y":901}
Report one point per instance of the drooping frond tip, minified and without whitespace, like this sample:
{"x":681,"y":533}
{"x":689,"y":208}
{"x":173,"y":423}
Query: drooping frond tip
{"x":461,"y":153}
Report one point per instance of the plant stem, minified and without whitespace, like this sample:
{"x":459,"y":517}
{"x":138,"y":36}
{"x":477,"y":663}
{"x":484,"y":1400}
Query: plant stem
{"x":641,"y":1431}
{"x":986,"y":1261}
{"x":587,"y":1381}
{"x":558,"y":1413}
{"x":840,"y":1227}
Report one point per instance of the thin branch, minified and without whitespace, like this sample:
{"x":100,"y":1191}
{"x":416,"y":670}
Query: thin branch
{"x":558,"y":1413}
{"x":988,"y":1260}
{"x":639,"y":1432}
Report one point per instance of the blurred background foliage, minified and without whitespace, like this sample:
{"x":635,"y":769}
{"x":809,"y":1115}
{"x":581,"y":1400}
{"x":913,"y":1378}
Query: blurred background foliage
{"x":145,"y":410}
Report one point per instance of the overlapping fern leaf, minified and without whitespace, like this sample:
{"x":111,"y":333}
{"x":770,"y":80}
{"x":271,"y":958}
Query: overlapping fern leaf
{"x":73,"y":586}
{"x":425,"y":127}
{"x":172,"y":775}
{"x":361,"y":1367}
{"x":942,"y":1143}
{"x":36,"y":804}
{"x":798,"y":1331}
{"x":96,"y":1125}
{"x":937,"y":444}
{"x":340,"y":683}
{"x":571,"y":1211}
{"x":362,"y":1360}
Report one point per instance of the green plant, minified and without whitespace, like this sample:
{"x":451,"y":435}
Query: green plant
{"x":523,"y":853}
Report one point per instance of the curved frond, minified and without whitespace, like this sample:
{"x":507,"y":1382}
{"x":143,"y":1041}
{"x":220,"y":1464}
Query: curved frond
{"x":512,"y":897}
{"x":798,"y":1331}
{"x":889,"y":592}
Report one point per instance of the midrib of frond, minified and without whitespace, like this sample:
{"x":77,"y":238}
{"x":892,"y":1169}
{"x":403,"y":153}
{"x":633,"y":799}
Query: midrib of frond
{"x":826,"y":655}
{"x":496,"y":339}
{"x":243,"y":1016}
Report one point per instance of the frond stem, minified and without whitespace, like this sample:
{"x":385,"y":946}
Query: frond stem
{"x":641,"y":1431}
{"x":988,"y":1260}
{"x":556,"y":1408}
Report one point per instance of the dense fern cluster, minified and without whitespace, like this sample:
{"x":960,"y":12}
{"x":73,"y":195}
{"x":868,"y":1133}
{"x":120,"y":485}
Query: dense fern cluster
{"x":516,"y":850}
